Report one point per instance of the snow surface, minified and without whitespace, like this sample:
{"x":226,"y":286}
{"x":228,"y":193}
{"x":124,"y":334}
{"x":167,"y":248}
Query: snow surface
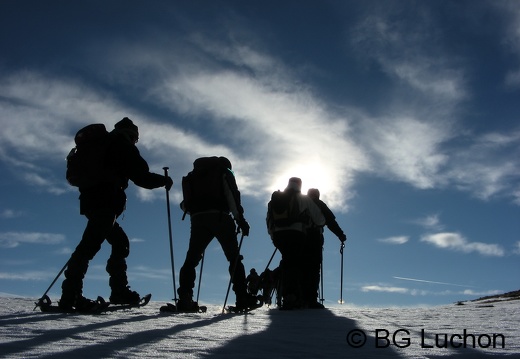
{"x":264,"y":333}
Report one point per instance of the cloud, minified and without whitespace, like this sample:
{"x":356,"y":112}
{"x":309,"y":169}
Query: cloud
{"x":415,"y":58}
{"x":513,"y":79}
{"x":511,"y":38}
{"x":409,"y":141}
{"x":394,"y":240}
{"x":292,"y":128}
{"x":64,"y":251}
{"x":30,"y":275}
{"x":263,"y":115}
{"x":149,"y":273}
{"x":485,"y":292}
{"x":430,"y":222}
{"x":457,"y":242}
{"x":39,"y":116}
{"x":489,"y":166}
{"x":387,"y":289}
{"x":10,"y":213}
{"x":423,"y":292}
{"x":516,"y":249}
{"x":14,"y":239}
{"x":407,"y":149}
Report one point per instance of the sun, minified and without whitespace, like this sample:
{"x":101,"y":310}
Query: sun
{"x":313,"y":175}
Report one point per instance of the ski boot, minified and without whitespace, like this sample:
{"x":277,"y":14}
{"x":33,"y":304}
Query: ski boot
{"x":124,"y":296}
{"x":247,"y":303}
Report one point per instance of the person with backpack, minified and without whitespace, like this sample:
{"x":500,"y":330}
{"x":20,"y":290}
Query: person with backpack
{"x":314,"y":249}
{"x":116,"y":159}
{"x":289,"y":215}
{"x":212,"y":199}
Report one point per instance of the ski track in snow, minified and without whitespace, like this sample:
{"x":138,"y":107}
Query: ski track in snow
{"x":264,"y":333}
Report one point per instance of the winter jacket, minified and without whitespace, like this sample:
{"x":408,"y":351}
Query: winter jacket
{"x":330,"y":219}
{"x":310,"y":214}
{"x":123,"y":162}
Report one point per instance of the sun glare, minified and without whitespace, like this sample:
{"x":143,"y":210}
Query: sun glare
{"x":312,"y":176}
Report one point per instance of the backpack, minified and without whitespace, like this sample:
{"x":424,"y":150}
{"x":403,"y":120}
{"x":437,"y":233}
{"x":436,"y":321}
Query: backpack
{"x":86,"y":161}
{"x":203,"y":187}
{"x":284,"y":208}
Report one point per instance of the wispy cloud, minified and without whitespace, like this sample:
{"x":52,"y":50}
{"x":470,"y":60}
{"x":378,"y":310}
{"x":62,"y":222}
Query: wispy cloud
{"x":25,"y":276}
{"x":275,"y":122}
{"x":423,"y":292}
{"x":39,"y":115}
{"x":385,"y":38}
{"x":64,"y":251}
{"x":14,"y":239}
{"x":407,"y":149}
{"x":511,"y":38}
{"x":395,"y":240}
{"x":430,"y":222}
{"x":411,"y":145}
{"x":513,"y":79}
{"x":150,"y":273}
{"x":10,"y":213}
{"x":489,"y":166}
{"x":287,"y":121}
{"x":457,"y":242}
{"x":516,"y":249}
{"x":137,"y":240}
{"x":387,"y":289}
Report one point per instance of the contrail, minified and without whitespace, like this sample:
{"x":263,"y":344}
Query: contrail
{"x":430,"y":281}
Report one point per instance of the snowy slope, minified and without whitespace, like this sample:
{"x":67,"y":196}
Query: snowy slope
{"x":145,"y":333}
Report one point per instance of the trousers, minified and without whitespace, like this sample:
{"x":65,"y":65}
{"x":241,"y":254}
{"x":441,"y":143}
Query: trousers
{"x":204,"y":227}
{"x":101,"y":226}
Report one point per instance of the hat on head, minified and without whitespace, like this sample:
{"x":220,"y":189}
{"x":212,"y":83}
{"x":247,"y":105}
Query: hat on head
{"x":313,"y":193}
{"x":126,"y":124}
{"x":295,"y":183}
{"x":225,"y":162}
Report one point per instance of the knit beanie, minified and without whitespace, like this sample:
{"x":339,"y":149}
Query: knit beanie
{"x":126,"y":124}
{"x":295,"y":183}
{"x":313,"y":193}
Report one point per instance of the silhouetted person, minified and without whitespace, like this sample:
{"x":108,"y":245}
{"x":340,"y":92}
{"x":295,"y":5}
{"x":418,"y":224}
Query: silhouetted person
{"x":253,"y":282}
{"x":314,"y":249}
{"x":102,"y":204}
{"x":212,"y":218}
{"x":287,"y":228}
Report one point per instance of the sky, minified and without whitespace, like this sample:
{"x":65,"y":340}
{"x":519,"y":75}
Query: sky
{"x":405,"y":115}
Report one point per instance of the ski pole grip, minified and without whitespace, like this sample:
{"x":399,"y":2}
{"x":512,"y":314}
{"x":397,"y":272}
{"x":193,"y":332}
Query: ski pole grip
{"x":166,"y":171}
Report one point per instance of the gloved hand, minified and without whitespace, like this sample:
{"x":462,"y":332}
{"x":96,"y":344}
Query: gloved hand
{"x":169,"y":183}
{"x":244,"y":226}
{"x":343,"y":238}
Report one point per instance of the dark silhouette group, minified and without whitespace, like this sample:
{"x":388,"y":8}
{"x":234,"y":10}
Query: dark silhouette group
{"x":299,"y":240}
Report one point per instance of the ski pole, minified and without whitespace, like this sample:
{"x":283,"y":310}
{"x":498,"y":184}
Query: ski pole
{"x":54,"y":281}
{"x":170,"y":233}
{"x":232,"y":276}
{"x":200,"y":276}
{"x":266,"y":267}
{"x":322,"y":299}
{"x":341,"y":288}
{"x":271,"y":259}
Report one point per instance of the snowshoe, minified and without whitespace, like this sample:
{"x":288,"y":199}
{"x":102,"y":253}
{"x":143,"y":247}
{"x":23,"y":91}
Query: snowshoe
{"x":125,"y":296}
{"x":83,"y":306}
{"x":245,"y":306}
{"x":111,"y":306}
{"x":193,"y":308}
